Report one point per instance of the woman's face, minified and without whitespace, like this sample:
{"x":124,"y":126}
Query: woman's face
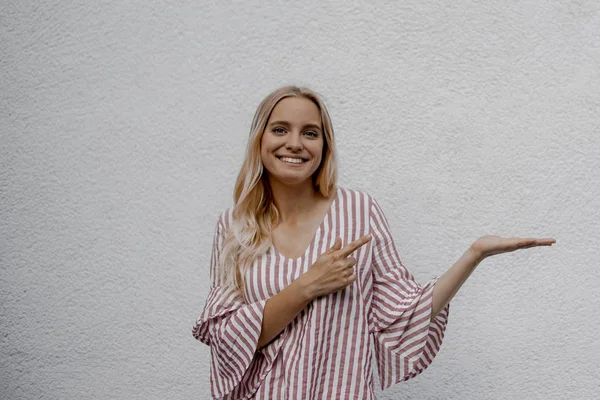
{"x":293,"y":131}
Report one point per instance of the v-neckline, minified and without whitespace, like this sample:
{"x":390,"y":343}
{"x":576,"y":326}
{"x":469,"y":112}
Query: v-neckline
{"x":319,"y":229}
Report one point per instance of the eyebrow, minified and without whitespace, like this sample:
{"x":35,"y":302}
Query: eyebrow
{"x":288,"y":124}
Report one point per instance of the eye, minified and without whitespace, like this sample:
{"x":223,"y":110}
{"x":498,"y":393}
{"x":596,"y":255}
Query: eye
{"x":278,"y":130}
{"x":312,"y":133}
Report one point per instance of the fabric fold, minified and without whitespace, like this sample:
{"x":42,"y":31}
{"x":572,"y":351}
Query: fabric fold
{"x":406,"y":339}
{"x":406,"y":346}
{"x":232,"y":328}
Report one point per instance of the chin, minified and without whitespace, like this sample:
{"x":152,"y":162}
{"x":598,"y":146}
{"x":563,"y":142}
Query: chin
{"x":292,"y":180}
{"x":285,"y":176}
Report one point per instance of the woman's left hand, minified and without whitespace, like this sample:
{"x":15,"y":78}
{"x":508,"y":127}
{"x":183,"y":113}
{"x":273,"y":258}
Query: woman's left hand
{"x":489,"y":245}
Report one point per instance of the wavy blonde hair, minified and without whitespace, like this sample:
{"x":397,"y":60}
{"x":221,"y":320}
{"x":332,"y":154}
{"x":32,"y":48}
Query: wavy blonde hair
{"x":254,"y":211}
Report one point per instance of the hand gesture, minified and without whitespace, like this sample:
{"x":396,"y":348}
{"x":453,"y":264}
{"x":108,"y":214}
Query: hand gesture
{"x":333,"y":270}
{"x":490,"y":245}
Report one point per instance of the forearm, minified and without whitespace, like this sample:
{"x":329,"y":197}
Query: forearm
{"x":281,"y":309}
{"x":449,"y":283}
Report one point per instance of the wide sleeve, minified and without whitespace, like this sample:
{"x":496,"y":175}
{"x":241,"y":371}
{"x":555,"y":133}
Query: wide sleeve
{"x":406,"y":340}
{"x":231,"y":328}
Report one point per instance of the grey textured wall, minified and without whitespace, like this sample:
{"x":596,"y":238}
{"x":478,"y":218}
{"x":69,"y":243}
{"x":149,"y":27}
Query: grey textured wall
{"x":123,"y":125}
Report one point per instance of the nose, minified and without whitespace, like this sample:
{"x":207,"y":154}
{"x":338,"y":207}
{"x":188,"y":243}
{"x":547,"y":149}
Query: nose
{"x":293,"y":142}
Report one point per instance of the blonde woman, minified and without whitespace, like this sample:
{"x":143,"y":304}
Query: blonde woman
{"x":305,"y":274}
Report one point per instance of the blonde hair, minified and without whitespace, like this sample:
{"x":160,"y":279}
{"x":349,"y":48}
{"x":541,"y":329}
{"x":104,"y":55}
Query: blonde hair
{"x":254,"y":211}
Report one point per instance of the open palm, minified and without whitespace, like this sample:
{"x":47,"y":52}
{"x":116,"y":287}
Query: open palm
{"x":489,"y":245}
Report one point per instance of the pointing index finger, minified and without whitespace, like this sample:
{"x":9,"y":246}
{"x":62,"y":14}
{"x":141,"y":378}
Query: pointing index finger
{"x":353,"y":246}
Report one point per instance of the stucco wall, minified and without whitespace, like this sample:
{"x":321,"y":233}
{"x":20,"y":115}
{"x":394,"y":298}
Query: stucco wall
{"x":123,"y":125}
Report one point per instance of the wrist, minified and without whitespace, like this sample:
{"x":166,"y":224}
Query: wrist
{"x":304,"y":288}
{"x":476,"y":255}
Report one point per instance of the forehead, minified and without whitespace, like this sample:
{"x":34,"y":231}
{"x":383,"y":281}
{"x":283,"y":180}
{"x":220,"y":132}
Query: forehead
{"x":296,"y":110}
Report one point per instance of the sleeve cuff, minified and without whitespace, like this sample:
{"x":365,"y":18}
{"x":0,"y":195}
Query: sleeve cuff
{"x":408,"y":346}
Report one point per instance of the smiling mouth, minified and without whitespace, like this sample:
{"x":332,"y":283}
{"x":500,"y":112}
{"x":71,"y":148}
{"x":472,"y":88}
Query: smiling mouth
{"x":291,"y":161}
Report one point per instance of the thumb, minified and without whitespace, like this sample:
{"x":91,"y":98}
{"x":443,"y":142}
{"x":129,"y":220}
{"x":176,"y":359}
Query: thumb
{"x":336,"y":245}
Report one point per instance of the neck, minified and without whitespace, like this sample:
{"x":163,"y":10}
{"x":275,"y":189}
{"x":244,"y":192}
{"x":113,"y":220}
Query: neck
{"x":294,"y":201}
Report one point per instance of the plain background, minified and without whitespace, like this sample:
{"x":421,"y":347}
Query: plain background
{"x":124,"y":125}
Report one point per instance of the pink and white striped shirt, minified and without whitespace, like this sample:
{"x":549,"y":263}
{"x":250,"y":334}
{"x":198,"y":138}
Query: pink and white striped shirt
{"x":325,"y":352}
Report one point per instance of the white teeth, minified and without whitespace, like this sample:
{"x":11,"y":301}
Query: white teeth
{"x":292,"y":160}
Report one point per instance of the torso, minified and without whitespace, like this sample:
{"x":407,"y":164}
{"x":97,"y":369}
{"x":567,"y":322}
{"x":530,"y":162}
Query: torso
{"x":325,"y":352}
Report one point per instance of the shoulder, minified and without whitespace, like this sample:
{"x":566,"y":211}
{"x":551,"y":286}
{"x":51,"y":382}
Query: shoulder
{"x":347,"y":198}
{"x":355,"y":201}
{"x":355,"y":197}
{"x":224,"y":219}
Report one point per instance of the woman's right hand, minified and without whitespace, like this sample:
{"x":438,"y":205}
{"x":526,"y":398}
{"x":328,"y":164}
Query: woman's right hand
{"x":333,"y":270}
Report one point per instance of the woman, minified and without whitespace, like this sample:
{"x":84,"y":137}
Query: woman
{"x":304,"y":274}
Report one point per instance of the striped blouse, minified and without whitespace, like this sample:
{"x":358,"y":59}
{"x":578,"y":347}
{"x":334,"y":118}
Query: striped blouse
{"x":325,"y":352}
